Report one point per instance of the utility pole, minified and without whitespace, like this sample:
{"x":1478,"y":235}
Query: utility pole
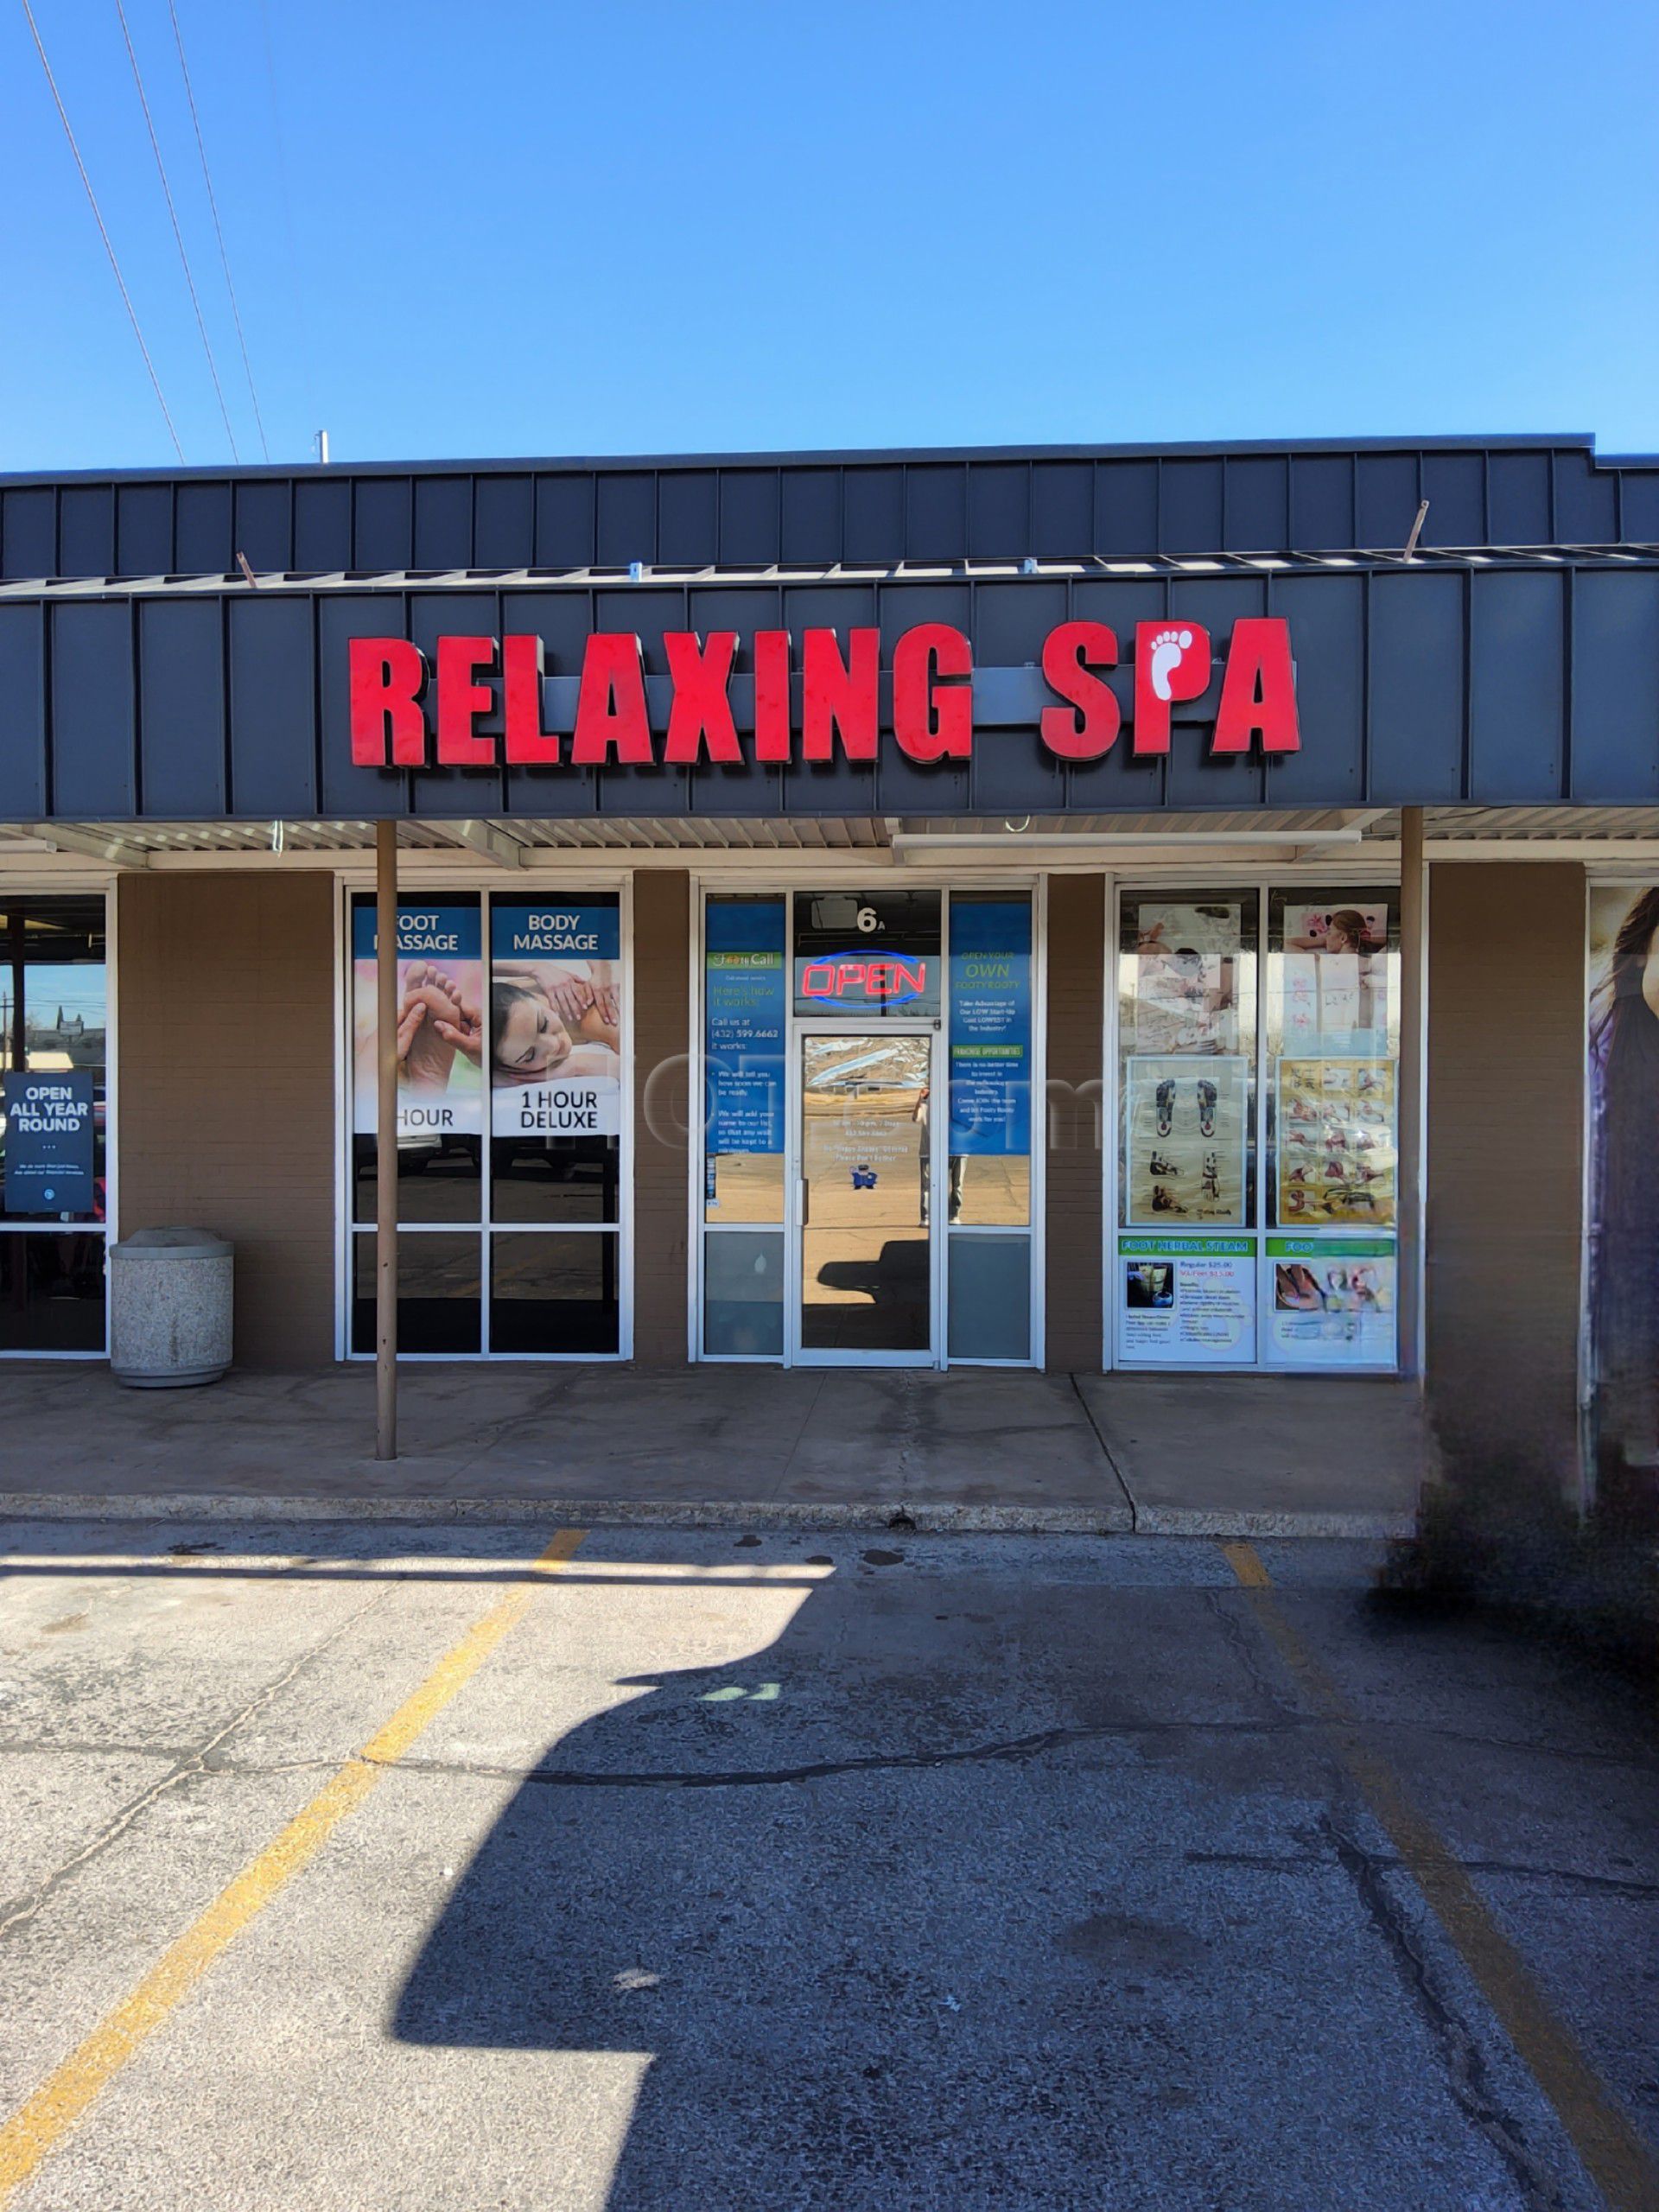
{"x":386,"y":1141}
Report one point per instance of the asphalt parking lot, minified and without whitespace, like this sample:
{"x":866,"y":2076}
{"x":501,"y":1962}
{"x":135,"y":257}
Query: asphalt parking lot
{"x":472,"y":1867}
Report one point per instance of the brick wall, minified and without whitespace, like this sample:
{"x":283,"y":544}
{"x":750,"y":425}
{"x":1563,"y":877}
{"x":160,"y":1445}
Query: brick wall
{"x":1504,"y":1143}
{"x":225,"y":1087}
{"x":1076,"y":922}
{"x":662,"y":936}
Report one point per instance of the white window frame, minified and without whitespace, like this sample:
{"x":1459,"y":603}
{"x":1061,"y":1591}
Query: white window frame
{"x":354,"y":885}
{"x":1253,"y":882}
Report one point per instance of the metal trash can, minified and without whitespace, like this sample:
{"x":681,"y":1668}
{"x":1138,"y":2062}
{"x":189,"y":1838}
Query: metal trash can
{"x":169,"y":1308}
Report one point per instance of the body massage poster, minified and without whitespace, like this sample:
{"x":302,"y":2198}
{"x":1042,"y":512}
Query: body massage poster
{"x":556,"y":1018}
{"x":440,"y":1019}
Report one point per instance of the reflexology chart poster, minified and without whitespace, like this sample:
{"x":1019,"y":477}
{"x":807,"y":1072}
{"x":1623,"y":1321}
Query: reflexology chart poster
{"x":1337,"y":1156}
{"x":1186,"y":1122}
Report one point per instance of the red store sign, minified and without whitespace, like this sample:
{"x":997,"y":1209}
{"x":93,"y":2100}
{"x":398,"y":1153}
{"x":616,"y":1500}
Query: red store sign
{"x":932,"y":709}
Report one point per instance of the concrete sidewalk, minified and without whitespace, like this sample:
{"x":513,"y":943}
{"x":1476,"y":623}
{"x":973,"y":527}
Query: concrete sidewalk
{"x":973,"y":1449}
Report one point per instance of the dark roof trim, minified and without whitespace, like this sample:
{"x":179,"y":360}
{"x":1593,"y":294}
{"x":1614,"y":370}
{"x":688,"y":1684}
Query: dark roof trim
{"x":875,"y":457}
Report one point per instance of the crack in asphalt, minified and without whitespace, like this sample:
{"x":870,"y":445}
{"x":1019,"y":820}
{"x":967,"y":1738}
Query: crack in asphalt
{"x":1278,"y":1862}
{"x":187,"y":1767}
{"x":1269,"y":1683}
{"x":1464,"y":2063}
{"x":1012,"y":1748}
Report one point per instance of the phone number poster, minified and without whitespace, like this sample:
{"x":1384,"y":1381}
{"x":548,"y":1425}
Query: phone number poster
{"x":746,"y":1003}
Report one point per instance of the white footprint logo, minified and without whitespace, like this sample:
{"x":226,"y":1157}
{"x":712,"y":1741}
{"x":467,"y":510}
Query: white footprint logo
{"x":1166,"y":650}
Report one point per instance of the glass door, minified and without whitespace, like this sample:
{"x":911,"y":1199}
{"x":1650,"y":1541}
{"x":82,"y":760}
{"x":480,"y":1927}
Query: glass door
{"x":867,"y":1197}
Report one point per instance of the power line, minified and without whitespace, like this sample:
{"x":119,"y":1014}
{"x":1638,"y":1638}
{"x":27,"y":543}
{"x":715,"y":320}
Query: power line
{"x":224,"y":258}
{"x":302,"y":321}
{"x":103,"y":230}
{"x":178,"y":235}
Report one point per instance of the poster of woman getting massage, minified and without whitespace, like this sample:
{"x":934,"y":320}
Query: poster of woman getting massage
{"x":556,"y":1018}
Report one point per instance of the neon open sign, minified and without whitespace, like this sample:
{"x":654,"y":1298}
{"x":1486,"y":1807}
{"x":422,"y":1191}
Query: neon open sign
{"x":864,"y":979}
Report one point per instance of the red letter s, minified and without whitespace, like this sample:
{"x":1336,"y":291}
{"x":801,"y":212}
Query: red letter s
{"x":1087,"y":728}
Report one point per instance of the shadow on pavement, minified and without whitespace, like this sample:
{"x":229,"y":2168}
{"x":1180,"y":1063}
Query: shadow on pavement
{"x":825,"y":1890}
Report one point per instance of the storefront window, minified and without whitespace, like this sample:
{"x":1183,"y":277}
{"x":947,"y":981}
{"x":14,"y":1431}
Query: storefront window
{"x":440,"y":1073}
{"x":518,"y":1059}
{"x":745,"y":1007}
{"x":988,"y":1161}
{"x":1256,"y":1219}
{"x":1184,"y":1283}
{"x":54,"y":1128}
{"x":745,"y":1016}
{"x":868,"y":955}
{"x":1330,"y":1288}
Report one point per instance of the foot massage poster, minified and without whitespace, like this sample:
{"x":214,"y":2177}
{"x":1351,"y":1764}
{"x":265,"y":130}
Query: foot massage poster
{"x":1333,"y":1301}
{"x":440,"y":1019}
{"x":1185,"y":1124}
{"x":556,"y":1018}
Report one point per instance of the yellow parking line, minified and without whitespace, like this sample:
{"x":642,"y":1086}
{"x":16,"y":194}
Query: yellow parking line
{"x":1613,"y":2154}
{"x":37,"y":2126}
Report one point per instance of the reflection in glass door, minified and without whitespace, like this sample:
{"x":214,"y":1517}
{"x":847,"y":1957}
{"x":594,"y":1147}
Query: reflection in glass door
{"x":865,"y":1197}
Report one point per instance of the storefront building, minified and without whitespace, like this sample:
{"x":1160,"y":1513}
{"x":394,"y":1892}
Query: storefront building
{"x":1187,"y":911}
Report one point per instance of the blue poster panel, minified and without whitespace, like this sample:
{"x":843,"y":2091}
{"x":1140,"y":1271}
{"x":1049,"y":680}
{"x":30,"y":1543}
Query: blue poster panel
{"x":990,"y":1026}
{"x":49,"y":1129}
{"x":746,"y":1001}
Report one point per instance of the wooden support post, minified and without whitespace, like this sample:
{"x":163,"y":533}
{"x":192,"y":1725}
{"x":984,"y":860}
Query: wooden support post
{"x":386,"y":1140}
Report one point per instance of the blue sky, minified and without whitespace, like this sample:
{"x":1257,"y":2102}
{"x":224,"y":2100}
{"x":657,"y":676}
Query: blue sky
{"x":614,"y":226}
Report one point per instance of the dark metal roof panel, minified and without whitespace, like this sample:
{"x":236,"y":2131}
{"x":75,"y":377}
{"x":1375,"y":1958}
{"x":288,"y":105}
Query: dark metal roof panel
{"x":882,"y":507}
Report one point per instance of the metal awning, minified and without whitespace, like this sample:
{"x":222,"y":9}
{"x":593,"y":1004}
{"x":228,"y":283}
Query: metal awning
{"x":1347,"y":837}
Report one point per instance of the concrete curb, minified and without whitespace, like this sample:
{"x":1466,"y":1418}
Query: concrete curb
{"x":925,"y":1517}
{"x":1198,"y":1520}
